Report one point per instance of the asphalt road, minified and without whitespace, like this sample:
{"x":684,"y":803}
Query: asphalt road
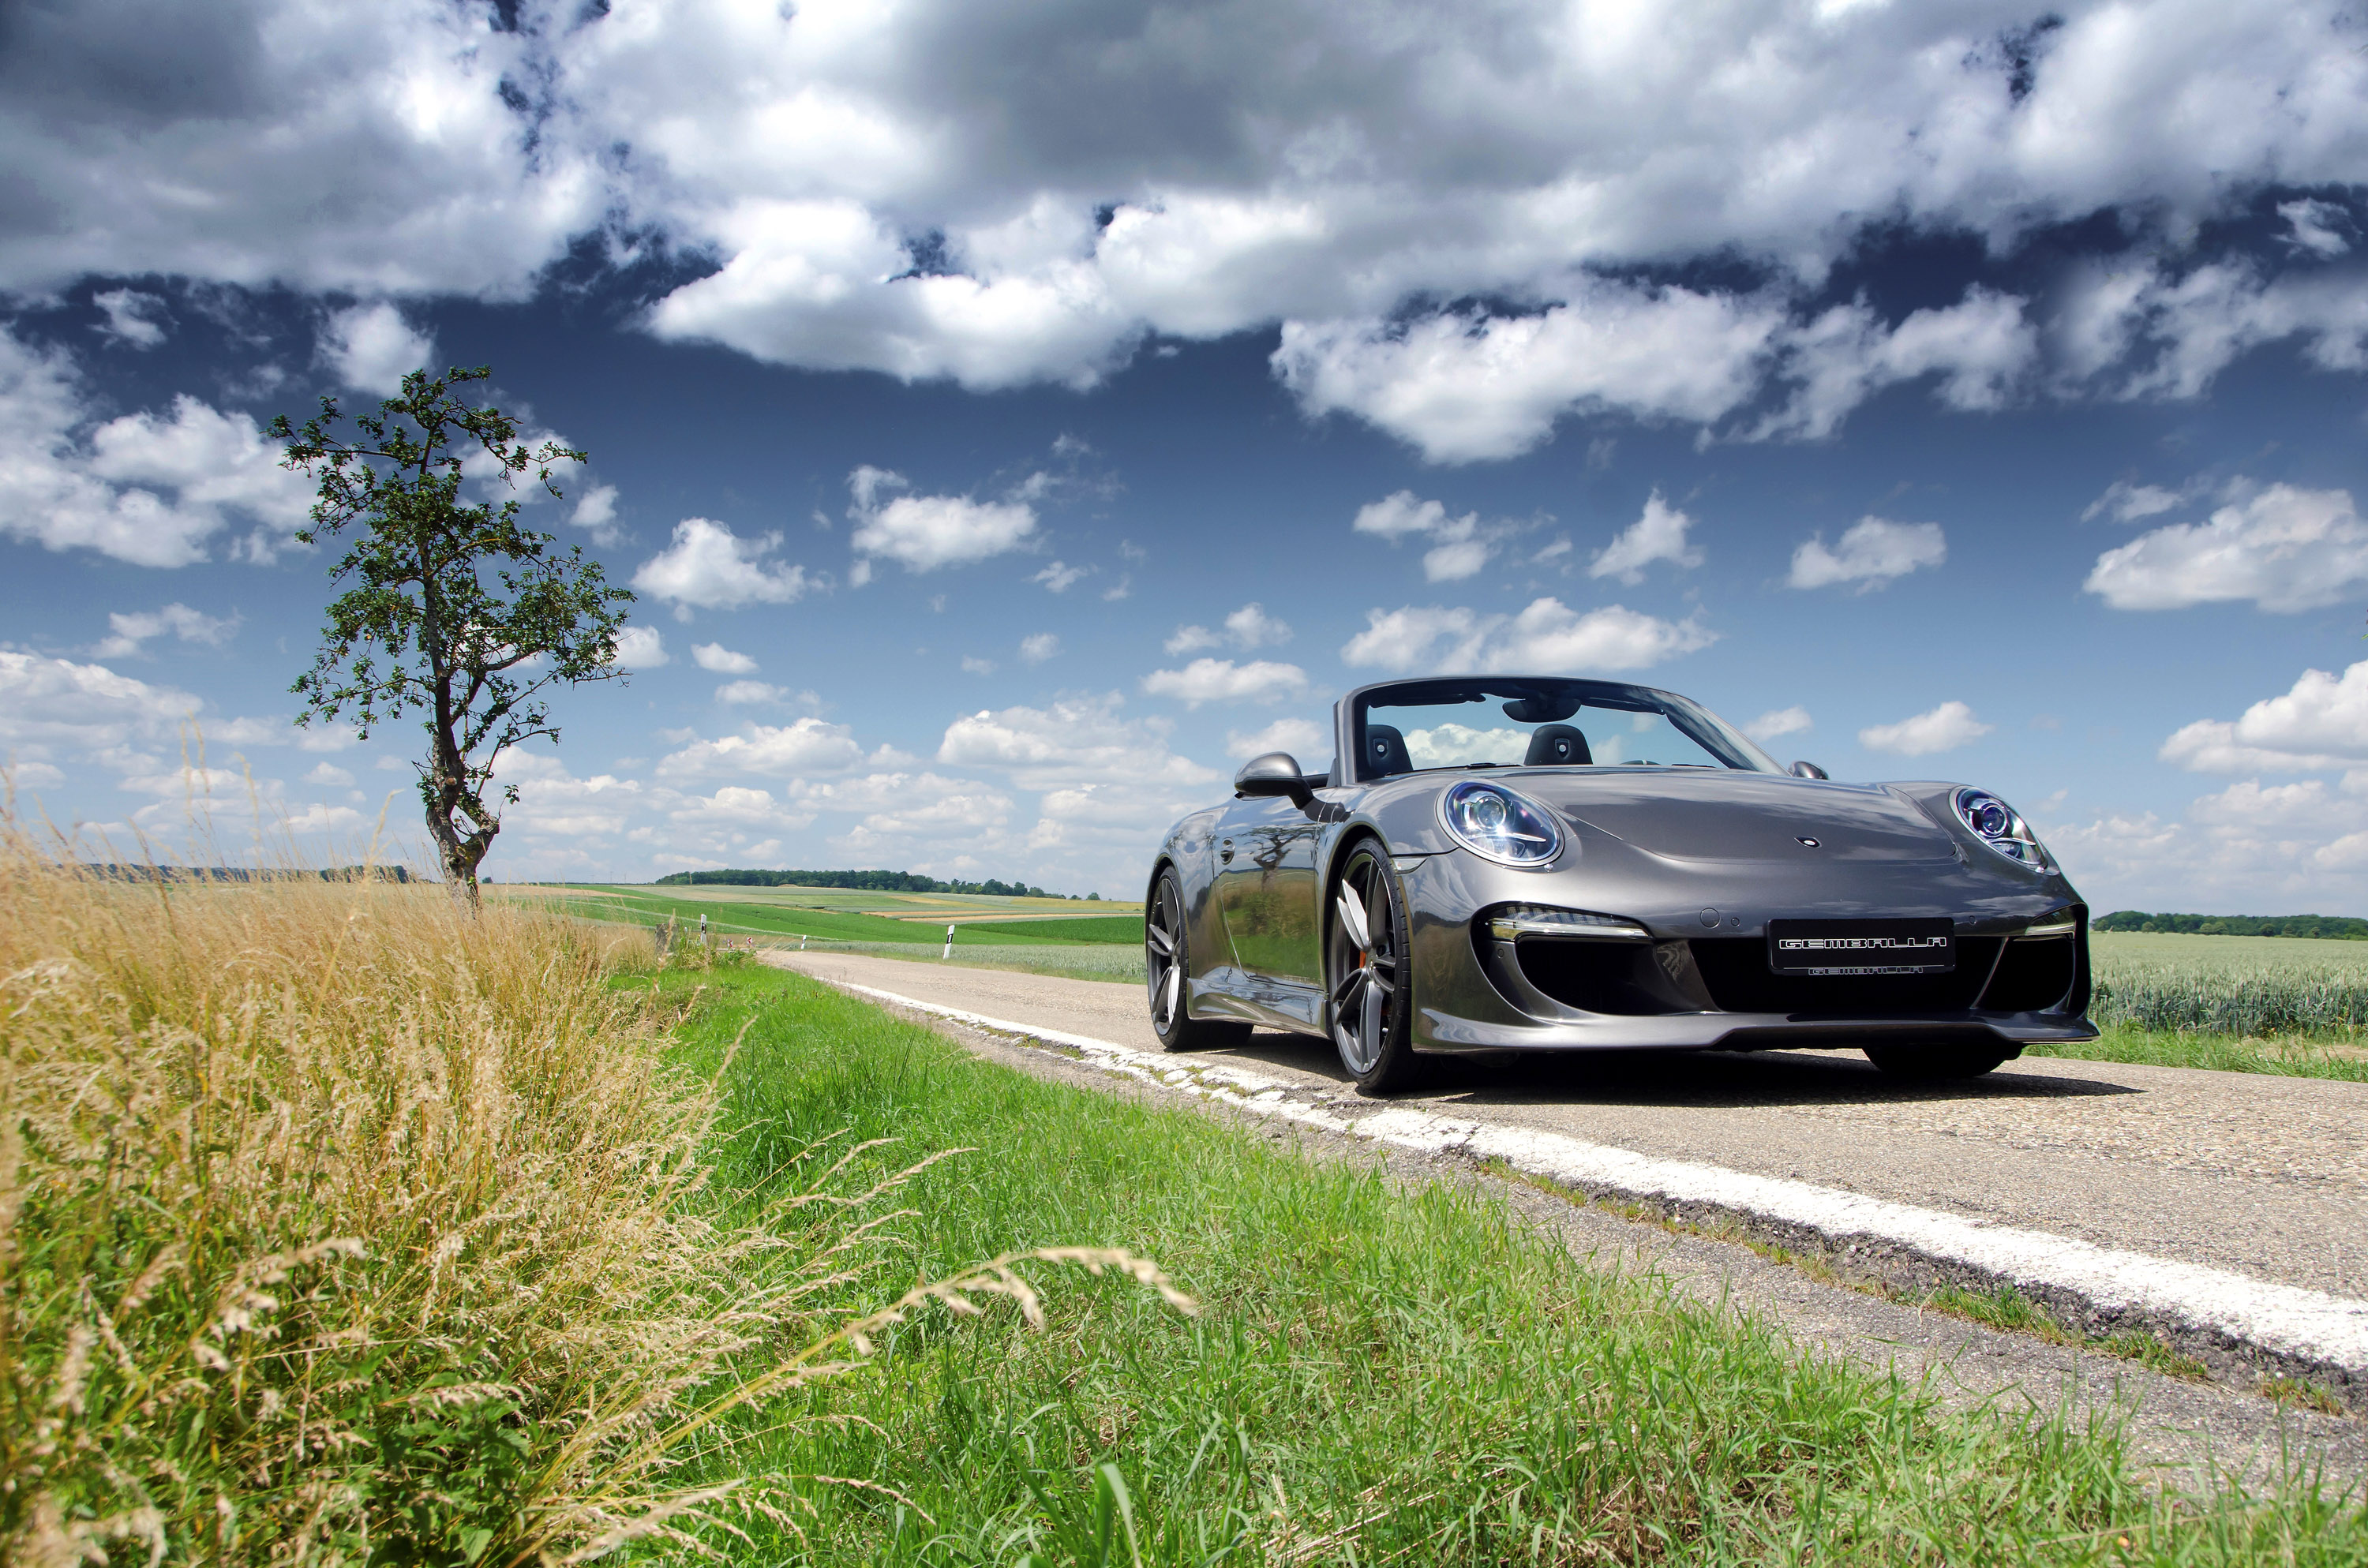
{"x":2259,"y":1176}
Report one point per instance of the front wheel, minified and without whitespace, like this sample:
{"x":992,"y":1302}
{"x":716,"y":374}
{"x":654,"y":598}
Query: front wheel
{"x":1368,"y":974}
{"x":1166,"y":962}
{"x":1936,"y":1064}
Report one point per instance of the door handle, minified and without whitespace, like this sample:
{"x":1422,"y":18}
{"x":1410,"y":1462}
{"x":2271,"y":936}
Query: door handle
{"x":1227,"y":852}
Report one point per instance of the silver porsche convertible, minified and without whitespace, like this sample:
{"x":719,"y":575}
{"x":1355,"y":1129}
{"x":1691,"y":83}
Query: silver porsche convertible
{"x":1507,"y":863}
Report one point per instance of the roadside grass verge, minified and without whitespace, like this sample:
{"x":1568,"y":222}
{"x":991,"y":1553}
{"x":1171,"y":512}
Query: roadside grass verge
{"x":2294,"y":1056}
{"x":2003,"y":1307}
{"x":1378,"y":1374}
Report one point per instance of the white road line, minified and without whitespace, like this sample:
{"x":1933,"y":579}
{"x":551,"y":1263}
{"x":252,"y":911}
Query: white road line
{"x":2308,"y":1324}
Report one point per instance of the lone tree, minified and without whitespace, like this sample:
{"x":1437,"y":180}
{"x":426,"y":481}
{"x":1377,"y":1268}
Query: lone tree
{"x":455,"y":612}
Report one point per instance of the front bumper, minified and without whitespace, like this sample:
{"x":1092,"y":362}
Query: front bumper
{"x":1701,"y":981}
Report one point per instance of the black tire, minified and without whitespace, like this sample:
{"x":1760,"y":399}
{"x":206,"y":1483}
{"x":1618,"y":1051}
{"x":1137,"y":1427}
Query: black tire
{"x":1166,"y":965}
{"x":1937,"y":1063}
{"x":1370,"y":981}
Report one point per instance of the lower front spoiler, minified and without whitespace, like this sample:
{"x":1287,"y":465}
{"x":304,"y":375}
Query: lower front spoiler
{"x":1446,"y":1034}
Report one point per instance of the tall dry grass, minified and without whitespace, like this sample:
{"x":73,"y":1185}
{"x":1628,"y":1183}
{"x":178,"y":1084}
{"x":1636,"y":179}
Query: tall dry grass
{"x":334,"y":1226}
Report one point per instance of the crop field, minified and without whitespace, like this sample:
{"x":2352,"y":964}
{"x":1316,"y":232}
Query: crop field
{"x":842,"y":918}
{"x":2230,"y":986}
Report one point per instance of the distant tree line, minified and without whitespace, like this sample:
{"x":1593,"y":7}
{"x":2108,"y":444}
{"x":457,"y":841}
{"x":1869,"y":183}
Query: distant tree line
{"x":862,"y":881}
{"x":2336,"y":926}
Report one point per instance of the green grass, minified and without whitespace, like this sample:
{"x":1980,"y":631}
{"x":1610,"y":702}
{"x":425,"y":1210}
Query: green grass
{"x":2007,"y":1308}
{"x":2287,"y":1056}
{"x":1378,"y":1375}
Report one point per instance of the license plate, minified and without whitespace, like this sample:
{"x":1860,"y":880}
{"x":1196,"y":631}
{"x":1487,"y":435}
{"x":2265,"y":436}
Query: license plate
{"x":1862,"y":947}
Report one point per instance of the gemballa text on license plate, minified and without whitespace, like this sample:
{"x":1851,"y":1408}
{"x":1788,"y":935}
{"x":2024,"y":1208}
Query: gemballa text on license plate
{"x":1862,"y":947}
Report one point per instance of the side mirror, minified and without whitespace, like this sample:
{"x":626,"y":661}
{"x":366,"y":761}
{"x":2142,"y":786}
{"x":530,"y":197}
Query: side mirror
{"x":1807,"y":770}
{"x":1276,"y":773}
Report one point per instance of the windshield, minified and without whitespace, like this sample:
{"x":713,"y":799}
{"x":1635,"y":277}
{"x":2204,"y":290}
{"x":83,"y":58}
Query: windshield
{"x":1543,"y":723}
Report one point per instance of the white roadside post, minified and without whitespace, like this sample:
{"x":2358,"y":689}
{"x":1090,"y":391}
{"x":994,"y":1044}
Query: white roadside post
{"x":950,"y":943}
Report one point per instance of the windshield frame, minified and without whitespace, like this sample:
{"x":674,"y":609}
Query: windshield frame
{"x":1698,"y":723}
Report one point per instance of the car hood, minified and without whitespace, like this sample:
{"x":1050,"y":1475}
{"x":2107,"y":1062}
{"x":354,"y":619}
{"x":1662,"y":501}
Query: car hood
{"x":1685,"y":814}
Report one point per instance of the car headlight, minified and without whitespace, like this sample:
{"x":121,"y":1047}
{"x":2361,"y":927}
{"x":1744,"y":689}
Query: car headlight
{"x":1995,"y":823}
{"x":1496,"y":824}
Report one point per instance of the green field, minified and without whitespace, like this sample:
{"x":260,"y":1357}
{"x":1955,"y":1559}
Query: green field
{"x":2224,"y":955}
{"x":836,"y":917}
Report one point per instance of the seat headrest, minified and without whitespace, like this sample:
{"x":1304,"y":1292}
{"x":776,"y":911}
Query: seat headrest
{"x":1557,"y":745}
{"x":1385,"y":753}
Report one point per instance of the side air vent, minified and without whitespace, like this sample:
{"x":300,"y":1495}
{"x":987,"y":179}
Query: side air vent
{"x":2033,"y":976}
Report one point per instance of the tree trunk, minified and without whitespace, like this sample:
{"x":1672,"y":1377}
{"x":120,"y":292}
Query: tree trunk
{"x":460,"y":857}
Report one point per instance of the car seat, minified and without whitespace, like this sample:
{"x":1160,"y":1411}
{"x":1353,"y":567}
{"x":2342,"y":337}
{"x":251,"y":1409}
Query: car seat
{"x":1385,"y":752}
{"x":1557,"y":745}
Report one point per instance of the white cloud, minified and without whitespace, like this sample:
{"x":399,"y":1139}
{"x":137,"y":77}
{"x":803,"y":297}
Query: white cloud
{"x":2124,"y":502}
{"x":2315,"y":226}
{"x":1659,"y":535}
{"x":710,"y":566}
{"x":1545,"y":638}
{"x":1461,"y":547}
{"x":1038,"y":647}
{"x":641,"y":648}
{"x":371,"y":347}
{"x":1871,"y":552}
{"x":2285,"y":548}
{"x":1301,"y":738}
{"x":913,"y":189}
{"x":2155,"y":331}
{"x":1251,"y":627}
{"x":329,"y":775}
{"x":1945,"y":728}
{"x":1459,"y":389}
{"x":29,"y":776}
{"x":132,"y":318}
{"x":595,"y":513}
{"x":127,"y":633}
{"x":1778,"y":722}
{"x":972,"y":665}
{"x":555,"y":805}
{"x":925,"y":532}
{"x":1980,"y":349}
{"x":805,"y":747}
{"x":723,"y":661}
{"x":2320,"y":723}
{"x":1059,"y":577}
{"x":1221,"y":680}
{"x":145,"y":488}
{"x":1078,"y":739}
{"x":1399,"y":514}
{"x":1247,"y":628}
{"x":908,"y":807}
{"x":745,"y":692}
{"x":55,"y":707}
{"x":739,"y":806}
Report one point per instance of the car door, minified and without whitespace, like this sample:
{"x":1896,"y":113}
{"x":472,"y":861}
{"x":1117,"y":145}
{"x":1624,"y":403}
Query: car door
{"x":1266,"y":889}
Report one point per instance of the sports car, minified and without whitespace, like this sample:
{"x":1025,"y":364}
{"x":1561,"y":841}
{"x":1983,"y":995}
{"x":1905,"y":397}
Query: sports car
{"x":1514,"y":863}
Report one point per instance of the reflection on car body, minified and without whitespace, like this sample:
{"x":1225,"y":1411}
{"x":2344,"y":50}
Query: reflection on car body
{"x":1538,"y":863}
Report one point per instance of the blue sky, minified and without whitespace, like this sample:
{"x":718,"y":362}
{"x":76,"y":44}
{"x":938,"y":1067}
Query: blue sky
{"x":1012,"y":416}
